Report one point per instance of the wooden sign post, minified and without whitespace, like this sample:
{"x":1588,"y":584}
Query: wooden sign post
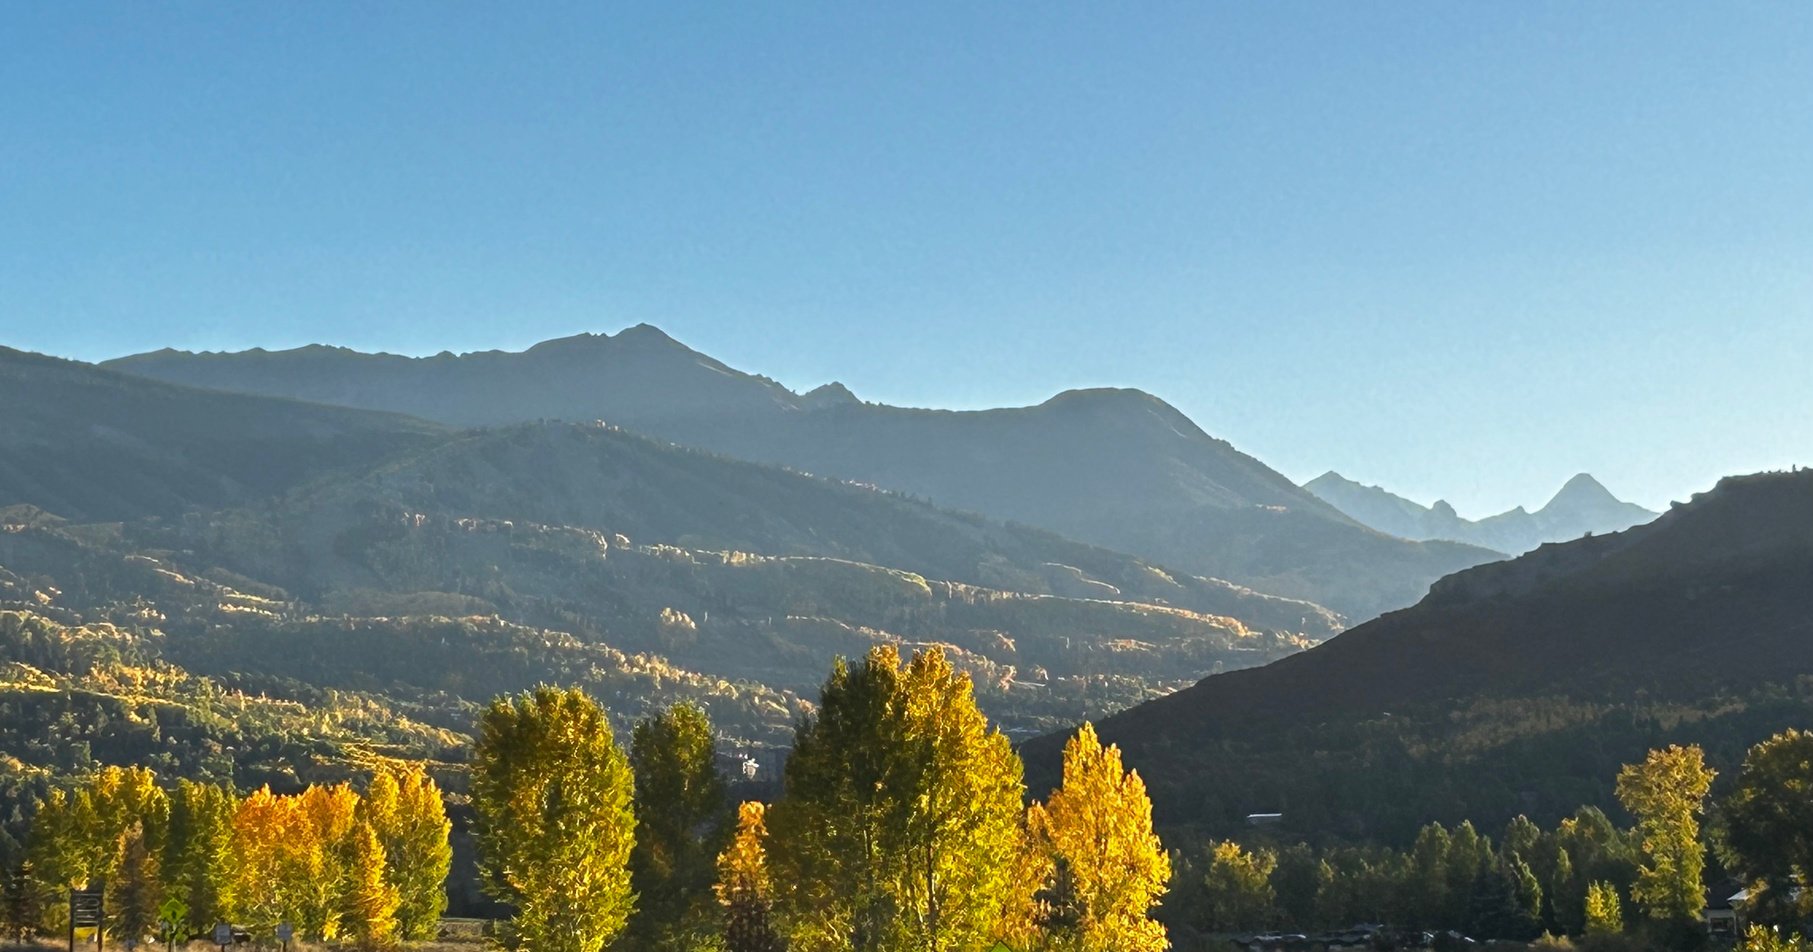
{"x":87,"y":908}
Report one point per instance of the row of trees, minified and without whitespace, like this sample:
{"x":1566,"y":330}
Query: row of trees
{"x":330,"y":861}
{"x":903,"y":826}
{"x":1572,"y":880}
{"x":1575,"y":879}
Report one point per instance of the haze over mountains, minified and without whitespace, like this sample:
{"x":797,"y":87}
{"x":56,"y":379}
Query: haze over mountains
{"x":1117,"y":468}
{"x":1582,"y":507}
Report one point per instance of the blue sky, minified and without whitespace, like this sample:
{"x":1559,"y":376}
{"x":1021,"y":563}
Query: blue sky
{"x":1463,"y":250}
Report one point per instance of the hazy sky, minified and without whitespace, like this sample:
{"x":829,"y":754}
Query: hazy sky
{"x":1461,"y":249}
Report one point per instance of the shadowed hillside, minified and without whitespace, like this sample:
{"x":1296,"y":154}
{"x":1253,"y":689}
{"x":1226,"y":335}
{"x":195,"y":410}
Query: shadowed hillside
{"x":92,"y":444}
{"x":1511,"y":683}
{"x":1117,"y":468}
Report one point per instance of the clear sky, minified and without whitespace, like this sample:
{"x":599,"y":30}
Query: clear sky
{"x":1461,"y":249}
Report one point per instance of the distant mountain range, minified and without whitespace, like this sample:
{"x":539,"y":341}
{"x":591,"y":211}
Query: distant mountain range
{"x":311,"y":547}
{"x":1516,"y":687}
{"x":1116,"y":468}
{"x":1582,"y":507}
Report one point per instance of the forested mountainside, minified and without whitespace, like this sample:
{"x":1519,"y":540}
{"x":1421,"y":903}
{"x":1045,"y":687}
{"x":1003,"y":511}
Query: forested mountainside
{"x":1582,"y":507}
{"x":92,"y":444}
{"x":1117,"y":468}
{"x":1512,"y":688}
{"x":424,"y":570}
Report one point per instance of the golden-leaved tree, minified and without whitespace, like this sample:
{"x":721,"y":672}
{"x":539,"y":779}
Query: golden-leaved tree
{"x":324,"y":819}
{"x":371,"y":896}
{"x":902,"y":819}
{"x":551,"y":797}
{"x":79,"y":837}
{"x":1109,"y":867}
{"x":744,"y":889}
{"x":1667,"y":793}
{"x":405,"y":809}
{"x":266,"y":887}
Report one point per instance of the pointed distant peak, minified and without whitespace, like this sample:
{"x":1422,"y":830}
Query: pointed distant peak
{"x":1330,"y":478}
{"x":1445,"y":509}
{"x":1584,"y":488}
{"x":833,"y":394}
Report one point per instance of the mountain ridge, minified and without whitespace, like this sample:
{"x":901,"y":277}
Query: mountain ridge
{"x":1114,"y":467}
{"x":1582,"y":506}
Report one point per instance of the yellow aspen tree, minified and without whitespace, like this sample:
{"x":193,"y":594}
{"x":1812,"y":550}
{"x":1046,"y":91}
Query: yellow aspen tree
{"x":744,"y":889}
{"x":324,"y":817}
{"x":405,"y":808}
{"x":263,"y":880}
{"x":372,"y":899}
{"x":1110,"y":868}
{"x":1667,"y":793}
{"x":1604,"y":916}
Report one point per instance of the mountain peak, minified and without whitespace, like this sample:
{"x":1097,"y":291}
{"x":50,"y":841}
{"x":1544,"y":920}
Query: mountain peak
{"x":833,"y":394}
{"x":1583,"y":489}
{"x":646,"y":333}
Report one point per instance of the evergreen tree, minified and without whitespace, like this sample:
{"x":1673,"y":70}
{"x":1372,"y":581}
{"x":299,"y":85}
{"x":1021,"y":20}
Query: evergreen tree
{"x":1427,"y":892}
{"x":1666,"y":793}
{"x":551,"y":797}
{"x":20,"y":903}
{"x":1295,"y":882}
{"x":372,"y":898}
{"x":1604,"y":914}
{"x":743,"y":888}
{"x":1098,"y":826}
{"x":1567,"y":896}
{"x":1527,"y":891}
{"x":901,"y":825}
{"x":1521,"y":840}
{"x":1468,"y":854}
{"x":680,"y":814}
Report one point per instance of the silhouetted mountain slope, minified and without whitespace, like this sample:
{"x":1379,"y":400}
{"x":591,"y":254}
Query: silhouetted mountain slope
{"x":1583,"y":506}
{"x":1117,"y":468}
{"x":88,"y":443}
{"x":1497,"y":691}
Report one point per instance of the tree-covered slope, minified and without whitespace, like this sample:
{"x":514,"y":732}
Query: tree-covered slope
{"x":87,"y":443}
{"x":1510,"y":682}
{"x":1117,"y":468}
